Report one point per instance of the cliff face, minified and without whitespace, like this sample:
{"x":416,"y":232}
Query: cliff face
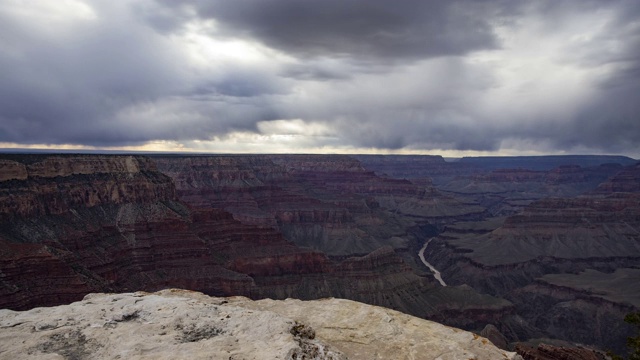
{"x":66,"y":235}
{"x":101,"y":222}
{"x":419,"y":167}
{"x":21,"y":167}
{"x":578,"y":315}
{"x":309,"y":226}
{"x":627,"y":180}
{"x":76,"y":224}
{"x":327,"y":202}
{"x":35,"y":274}
{"x":55,"y":185}
{"x":554,"y":259}
{"x":332,"y":204}
{"x":114,"y":223}
{"x":181,"y":324}
{"x":508,"y":191}
{"x":577,"y":228}
{"x":238,"y":184}
{"x":543,"y":163}
{"x":550,"y":352}
{"x":502,"y":185}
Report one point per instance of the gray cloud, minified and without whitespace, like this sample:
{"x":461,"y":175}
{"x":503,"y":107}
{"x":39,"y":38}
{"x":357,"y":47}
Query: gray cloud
{"x":67,"y":79}
{"x":378,"y":29}
{"x":489,"y":75}
{"x":114,"y":81}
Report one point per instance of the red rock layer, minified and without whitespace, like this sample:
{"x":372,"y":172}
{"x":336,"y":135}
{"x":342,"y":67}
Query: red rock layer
{"x":23,"y":166}
{"x":628,"y":180}
{"x":53,"y":185}
{"x":598,"y":231}
{"x":605,"y":223}
{"x":69,"y":230}
{"x":328,"y":202}
{"x":119,"y":226}
{"x":549,"y":352}
{"x":35,"y":274}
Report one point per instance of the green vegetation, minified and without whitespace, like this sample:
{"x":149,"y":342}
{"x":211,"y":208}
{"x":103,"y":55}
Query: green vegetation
{"x":633,"y":343}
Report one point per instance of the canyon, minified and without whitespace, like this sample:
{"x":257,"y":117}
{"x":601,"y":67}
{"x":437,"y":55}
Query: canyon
{"x":533,"y":250}
{"x":566,"y":263}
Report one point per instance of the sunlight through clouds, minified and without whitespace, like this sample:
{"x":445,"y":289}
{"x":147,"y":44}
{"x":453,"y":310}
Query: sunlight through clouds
{"x":461,"y":77}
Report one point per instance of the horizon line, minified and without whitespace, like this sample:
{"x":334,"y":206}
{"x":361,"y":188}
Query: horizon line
{"x":152,"y":152}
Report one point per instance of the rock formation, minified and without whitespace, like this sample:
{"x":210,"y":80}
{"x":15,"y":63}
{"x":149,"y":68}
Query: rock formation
{"x":326,"y":202}
{"x":523,"y":254}
{"x":568,"y":264}
{"x":542,"y":163}
{"x":77,"y":224}
{"x":550,"y":352}
{"x":441,"y":172}
{"x":69,"y":230}
{"x":175,"y":324}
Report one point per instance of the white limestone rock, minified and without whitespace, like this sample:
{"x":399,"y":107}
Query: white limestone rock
{"x":369,"y":332}
{"x":180,"y":324}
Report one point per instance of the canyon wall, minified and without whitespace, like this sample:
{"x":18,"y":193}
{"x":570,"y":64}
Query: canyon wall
{"x":541,"y":258}
{"x":516,"y":246}
{"x":73,"y":224}
{"x":329,"y":202}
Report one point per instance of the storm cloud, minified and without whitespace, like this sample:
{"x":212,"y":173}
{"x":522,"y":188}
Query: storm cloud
{"x":491,"y":76}
{"x":376,"y":29}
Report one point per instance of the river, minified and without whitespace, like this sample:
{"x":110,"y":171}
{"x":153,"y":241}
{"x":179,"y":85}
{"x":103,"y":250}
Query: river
{"x":436,"y":273}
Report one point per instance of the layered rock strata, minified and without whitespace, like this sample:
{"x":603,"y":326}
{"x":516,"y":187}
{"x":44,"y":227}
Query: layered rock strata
{"x":89,"y":231}
{"x":550,"y":352}
{"x":33,"y":185}
{"x":542,"y":163}
{"x":261,"y":226}
{"x":327,"y":202}
{"x":332,"y":204}
{"x":420,"y":167}
{"x":567,"y":264}
{"x":508,"y":191}
{"x":131,"y":230}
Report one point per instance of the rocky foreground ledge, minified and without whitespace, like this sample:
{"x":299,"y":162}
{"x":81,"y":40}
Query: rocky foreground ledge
{"x":180,"y":324}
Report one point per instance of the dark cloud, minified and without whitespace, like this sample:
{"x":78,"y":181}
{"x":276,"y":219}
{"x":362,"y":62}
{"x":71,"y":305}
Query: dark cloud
{"x":316,"y":71}
{"x":610,"y":123}
{"x":114,"y":81}
{"x":67,"y":79}
{"x":378,"y":29}
{"x":481,"y":75}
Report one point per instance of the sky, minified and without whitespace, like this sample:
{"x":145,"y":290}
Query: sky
{"x":459,"y":77}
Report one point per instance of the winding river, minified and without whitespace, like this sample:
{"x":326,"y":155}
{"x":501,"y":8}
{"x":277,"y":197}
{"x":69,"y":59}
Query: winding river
{"x":436,"y":273}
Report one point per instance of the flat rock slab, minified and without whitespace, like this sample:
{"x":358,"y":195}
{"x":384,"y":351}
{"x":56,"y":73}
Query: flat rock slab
{"x":371,"y":332}
{"x":179,"y":324}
